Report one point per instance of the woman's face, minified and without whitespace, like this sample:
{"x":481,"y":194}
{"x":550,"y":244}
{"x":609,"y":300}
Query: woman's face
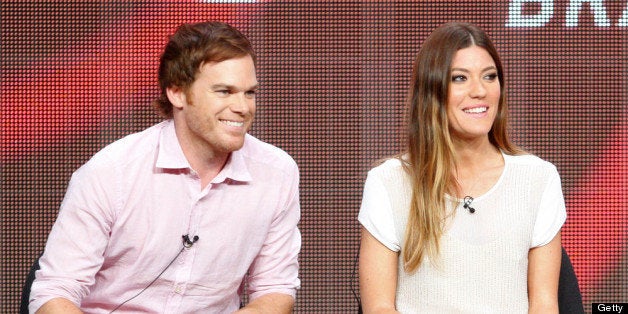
{"x":474,"y":93}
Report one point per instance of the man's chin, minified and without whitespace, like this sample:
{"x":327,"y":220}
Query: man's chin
{"x":233,"y":146}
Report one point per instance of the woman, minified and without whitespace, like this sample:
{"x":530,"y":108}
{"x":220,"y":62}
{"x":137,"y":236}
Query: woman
{"x":463,"y":221}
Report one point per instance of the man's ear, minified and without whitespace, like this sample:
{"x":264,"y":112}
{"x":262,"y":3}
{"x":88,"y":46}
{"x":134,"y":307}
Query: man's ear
{"x":176,"y":96}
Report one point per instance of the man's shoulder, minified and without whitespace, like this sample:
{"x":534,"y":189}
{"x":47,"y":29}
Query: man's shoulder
{"x":130,"y":147}
{"x":258,"y":151}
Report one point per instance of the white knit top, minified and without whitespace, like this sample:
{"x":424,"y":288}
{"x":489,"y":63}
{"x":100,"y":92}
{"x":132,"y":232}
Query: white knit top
{"x":484,"y":256}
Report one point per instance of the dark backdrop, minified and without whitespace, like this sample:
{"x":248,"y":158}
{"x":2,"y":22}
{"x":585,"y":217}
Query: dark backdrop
{"x":77,"y":75}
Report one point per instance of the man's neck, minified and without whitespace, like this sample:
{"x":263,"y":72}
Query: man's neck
{"x":204,"y":160}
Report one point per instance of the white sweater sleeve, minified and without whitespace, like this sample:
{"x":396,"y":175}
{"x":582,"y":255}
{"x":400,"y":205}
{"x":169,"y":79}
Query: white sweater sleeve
{"x":552,"y":213}
{"x":376,"y":213}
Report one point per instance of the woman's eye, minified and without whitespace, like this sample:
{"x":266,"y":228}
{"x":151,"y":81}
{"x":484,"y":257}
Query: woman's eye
{"x":491,"y":76}
{"x":458,"y":78}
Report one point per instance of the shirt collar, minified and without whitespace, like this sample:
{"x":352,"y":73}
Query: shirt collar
{"x":235,"y":169}
{"x":170,"y":156}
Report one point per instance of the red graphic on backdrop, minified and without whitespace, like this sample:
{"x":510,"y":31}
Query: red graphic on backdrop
{"x":51,"y":99}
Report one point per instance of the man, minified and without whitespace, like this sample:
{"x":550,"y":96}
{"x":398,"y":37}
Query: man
{"x":179,"y":217}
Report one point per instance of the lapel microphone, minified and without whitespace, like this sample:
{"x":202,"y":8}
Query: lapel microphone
{"x":187,"y":243}
{"x":467,"y":204}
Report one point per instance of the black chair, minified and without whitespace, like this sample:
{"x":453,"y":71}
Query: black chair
{"x":569,"y":296}
{"x":26,"y":290}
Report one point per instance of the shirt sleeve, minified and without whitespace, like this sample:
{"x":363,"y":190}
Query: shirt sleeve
{"x":552,"y":213}
{"x":376,"y":213}
{"x":73,"y":252}
{"x":276,"y":267}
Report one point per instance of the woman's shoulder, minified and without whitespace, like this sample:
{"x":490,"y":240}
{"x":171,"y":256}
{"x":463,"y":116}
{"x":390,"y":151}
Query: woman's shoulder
{"x":390,"y":164}
{"x":389,"y":170}
{"x":529,"y":160}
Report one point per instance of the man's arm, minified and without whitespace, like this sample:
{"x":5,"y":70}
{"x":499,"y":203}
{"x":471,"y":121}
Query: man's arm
{"x":59,"y":306}
{"x":73,"y":252}
{"x":272,"y":303}
{"x":273,"y":275}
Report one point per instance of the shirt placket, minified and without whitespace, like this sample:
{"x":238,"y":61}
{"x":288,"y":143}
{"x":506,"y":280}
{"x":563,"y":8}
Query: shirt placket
{"x":185,"y":260}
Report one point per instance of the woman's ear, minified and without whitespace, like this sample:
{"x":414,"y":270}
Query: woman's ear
{"x":176,"y":96}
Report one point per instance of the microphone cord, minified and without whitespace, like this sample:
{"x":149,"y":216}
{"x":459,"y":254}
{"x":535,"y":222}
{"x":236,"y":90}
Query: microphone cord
{"x":151,"y":283}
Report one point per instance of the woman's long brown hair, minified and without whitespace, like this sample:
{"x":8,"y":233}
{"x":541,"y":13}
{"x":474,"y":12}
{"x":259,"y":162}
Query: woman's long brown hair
{"x":430,"y":156}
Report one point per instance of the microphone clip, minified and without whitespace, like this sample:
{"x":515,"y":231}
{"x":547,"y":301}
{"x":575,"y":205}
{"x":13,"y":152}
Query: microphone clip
{"x":187,"y":243}
{"x":467,"y":204}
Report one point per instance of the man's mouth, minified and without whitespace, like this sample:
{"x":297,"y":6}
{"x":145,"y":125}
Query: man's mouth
{"x":233,"y":123}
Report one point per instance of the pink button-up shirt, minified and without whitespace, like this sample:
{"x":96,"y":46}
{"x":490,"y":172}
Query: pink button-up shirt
{"x":124,"y":214}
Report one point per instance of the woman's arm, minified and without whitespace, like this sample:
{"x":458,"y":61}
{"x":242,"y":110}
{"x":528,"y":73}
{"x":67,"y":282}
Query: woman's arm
{"x":378,"y":275}
{"x":543,"y":272}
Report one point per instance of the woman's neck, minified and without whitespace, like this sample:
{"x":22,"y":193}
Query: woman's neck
{"x":478,"y":167}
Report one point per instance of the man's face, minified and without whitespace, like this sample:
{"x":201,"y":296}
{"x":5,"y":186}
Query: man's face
{"x":214,"y":114}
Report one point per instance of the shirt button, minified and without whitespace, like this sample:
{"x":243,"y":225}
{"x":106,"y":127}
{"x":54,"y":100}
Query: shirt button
{"x":178,"y":289}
